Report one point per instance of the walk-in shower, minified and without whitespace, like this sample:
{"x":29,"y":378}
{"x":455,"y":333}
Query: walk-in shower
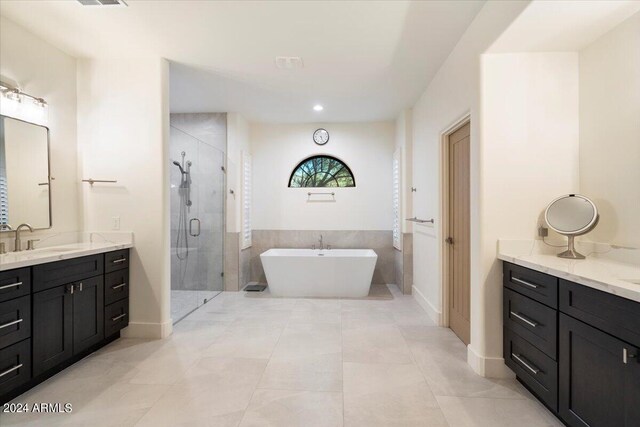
{"x":197,"y":147}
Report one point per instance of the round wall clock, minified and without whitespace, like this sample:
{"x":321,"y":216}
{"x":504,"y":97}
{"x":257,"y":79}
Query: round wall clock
{"x":321,"y":136}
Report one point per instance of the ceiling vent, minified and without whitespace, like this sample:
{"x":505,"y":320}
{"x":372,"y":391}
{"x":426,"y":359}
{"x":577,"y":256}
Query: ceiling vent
{"x":103,"y":3}
{"x":289,"y":62}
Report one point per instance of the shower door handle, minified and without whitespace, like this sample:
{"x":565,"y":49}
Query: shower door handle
{"x":191,"y":227}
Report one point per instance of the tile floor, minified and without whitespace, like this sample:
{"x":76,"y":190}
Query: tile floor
{"x":184,"y":302}
{"x":241,"y":361}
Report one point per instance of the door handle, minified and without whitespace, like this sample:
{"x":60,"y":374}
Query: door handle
{"x":6,"y":325}
{"x":524,"y":282}
{"x":80,"y":286}
{"x":191,"y":227}
{"x":626,"y":356}
{"x":13,"y":285}
{"x":529,"y":322}
{"x":115,"y":319}
{"x":449,"y":240}
{"x":533,"y":369}
{"x":69,"y":289}
{"x":8,"y":371}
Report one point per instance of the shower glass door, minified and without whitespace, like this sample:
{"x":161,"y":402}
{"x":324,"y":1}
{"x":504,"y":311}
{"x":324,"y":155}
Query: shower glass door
{"x":197,"y":212}
{"x":211,"y":214}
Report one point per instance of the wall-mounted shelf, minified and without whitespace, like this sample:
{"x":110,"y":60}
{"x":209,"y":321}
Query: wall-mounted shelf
{"x":320,"y":194}
{"x":329,"y":197}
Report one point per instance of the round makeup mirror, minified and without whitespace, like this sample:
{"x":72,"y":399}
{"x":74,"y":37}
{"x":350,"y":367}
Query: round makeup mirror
{"x":571,"y":215}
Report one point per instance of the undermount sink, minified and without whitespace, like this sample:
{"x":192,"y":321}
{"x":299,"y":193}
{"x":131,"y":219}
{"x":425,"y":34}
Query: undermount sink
{"x":57,"y":249}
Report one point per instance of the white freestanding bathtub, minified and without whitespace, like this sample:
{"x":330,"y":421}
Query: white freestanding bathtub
{"x":319,"y":273}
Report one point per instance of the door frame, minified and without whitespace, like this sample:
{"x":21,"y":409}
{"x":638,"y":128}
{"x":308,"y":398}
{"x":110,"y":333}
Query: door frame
{"x":445,"y":249}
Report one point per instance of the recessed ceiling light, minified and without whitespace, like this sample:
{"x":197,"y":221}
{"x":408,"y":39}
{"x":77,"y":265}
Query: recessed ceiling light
{"x":318,"y":107}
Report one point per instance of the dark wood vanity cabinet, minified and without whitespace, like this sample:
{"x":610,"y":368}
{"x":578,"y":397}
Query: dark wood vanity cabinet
{"x":62,"y":316}
{"x":574,"y":347}
{"x":52,"y":328}
{"x":597,"y":386}
{"x":88,"y":314}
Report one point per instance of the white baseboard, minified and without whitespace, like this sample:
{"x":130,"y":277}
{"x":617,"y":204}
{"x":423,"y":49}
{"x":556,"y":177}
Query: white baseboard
{"x":490,"y":367}
{"x":432,"y":312}
{"x":148,"y":330}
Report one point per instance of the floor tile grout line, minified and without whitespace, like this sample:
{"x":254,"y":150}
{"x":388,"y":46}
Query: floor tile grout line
{"x":263,"y":372}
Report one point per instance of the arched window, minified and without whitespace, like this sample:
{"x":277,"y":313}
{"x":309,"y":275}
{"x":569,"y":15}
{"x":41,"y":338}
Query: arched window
{"x":322,"y":171}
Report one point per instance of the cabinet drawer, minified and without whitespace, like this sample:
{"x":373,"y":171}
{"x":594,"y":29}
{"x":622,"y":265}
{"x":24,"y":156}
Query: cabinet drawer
{"x":15,"y":283}
{"x":116,"y":286}
{"x":15,"y":366}
{"x":15,"y":320}
{"x":117,"y":260}
{"x":533,"y":321}
{"x":615,"y":315}
{"x":534,"y":368}
{"x":539,"y":286}
{"x":116,"y":317}
{"x":53,"y":274}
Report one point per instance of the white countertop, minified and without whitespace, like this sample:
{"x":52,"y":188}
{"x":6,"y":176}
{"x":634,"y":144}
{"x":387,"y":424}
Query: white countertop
{"x":604,"y":274}
{"x":44,"y":255}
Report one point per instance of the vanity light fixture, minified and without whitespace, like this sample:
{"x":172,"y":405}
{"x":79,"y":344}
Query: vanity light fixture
{"x":19,"y":105}
{"x":318,"y":107}
{"x":14,"y":95}
{"x":103,"y":3}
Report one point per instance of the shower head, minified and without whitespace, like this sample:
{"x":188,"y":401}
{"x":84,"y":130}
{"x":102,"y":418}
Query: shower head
{"x":179,"y":167}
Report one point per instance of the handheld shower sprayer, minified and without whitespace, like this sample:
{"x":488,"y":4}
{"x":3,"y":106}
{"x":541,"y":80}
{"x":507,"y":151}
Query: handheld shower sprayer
{"x":175,"y":162}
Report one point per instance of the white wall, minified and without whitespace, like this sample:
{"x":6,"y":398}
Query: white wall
{"x":404,"y":141}
{"x":367,"y":148}
{"x":44,"y":71}
{"x":453,"y":93}
{"x":523,"y":121}
{"x":529,"y":156}
{"x":123,"y":135}
{"x":237,"y":142}
{"x":610,"y":132}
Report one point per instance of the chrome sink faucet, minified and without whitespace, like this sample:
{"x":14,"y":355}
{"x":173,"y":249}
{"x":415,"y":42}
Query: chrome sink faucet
{"x":18,"y":242}
{"x":321,"y":243}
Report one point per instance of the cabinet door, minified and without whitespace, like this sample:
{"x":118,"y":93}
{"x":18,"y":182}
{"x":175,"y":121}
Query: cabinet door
{"x":52,"y":328}
{"x":599,"y":377}
{"x":88,"y":313}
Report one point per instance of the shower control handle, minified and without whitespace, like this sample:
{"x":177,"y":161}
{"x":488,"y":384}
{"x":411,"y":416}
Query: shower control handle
{"x":191,"y":227}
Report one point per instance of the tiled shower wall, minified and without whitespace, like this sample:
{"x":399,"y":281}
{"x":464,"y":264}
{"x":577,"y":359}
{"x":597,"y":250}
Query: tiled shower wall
{"x":380,"y":241}
{"x":404,"y":264}
{"x":236,"y":263}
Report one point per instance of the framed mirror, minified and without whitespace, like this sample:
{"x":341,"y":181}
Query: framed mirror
{"x":25,"y":185}
{"x":571,"y":215}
